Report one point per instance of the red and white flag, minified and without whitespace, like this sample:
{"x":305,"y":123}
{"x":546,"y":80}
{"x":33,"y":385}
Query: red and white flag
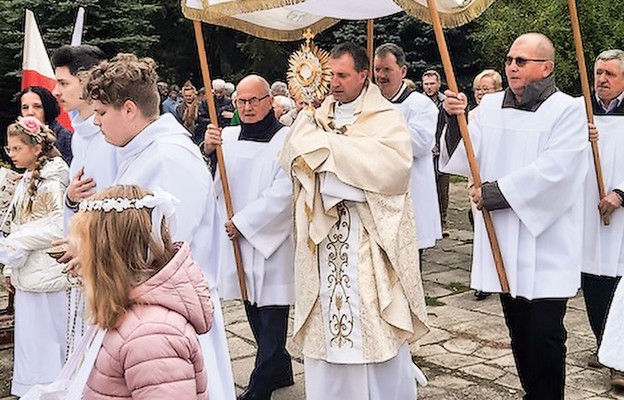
{"x":36,"y":66}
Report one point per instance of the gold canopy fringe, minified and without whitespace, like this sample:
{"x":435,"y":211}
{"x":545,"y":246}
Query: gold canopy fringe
{"x":246,"y":6}
{"x":448,"y":20}
{"x":221,"y":14}
{"x":226,"y":21}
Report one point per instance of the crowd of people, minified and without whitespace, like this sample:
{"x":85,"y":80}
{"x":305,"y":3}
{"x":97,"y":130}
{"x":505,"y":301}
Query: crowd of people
{"x":122,"y":226}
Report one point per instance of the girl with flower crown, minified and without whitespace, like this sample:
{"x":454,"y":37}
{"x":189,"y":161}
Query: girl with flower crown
{"x":147,"y":292}
{"x":36,"y":219}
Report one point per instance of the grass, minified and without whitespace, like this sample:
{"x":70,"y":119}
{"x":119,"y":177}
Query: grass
{"x":458,"y":287}
{"x":457,"y":179}
{"x":433,"y":302}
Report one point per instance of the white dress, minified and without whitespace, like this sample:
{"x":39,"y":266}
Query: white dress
{"x":611,"y":352}
{"x":40,"y":287}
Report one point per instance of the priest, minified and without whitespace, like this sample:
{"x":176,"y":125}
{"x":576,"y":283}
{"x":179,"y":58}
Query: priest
{"x":358,"y":292}
{"x":531,"y":147}
{"x":262,"y":223}
{"x":157,"y":152}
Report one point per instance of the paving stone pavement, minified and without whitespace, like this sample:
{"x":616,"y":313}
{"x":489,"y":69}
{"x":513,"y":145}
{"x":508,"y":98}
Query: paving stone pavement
{"x":466,"y":355}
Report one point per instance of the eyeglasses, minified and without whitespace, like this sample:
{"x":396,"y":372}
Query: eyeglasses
{"x":8,"y":149}
{"x":484,"y":89}
{"x":254,"y":101}
{"x":521,"y":61}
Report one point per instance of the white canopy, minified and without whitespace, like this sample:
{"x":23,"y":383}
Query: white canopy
{"x":286,"y":19}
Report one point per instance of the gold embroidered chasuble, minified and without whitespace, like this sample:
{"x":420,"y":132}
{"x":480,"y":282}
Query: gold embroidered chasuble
{"x":374,"y":155}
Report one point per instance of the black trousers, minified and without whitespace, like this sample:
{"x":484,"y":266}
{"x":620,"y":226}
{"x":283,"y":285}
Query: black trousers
{"x":273,"y":367}
{"x":538,"y":343}
{"x":598,"y":293}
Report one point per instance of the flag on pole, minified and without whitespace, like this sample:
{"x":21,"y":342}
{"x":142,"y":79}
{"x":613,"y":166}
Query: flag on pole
{"x":36,"y":66}
{"x":78,"y":28}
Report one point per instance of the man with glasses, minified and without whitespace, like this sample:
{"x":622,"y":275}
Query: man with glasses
{"x":531,"y":146}
{"x":603,"y":245}
{"x":261,"y":196}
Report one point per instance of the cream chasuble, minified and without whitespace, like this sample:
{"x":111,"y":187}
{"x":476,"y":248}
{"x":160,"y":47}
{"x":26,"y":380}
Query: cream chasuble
{"x":603,"y":245}
{"x":539,"y":159}
{"x":358,"y":289}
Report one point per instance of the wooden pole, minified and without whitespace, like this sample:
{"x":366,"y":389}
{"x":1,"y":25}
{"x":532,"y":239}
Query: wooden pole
{"x":370,"y":48}
{"x":580,"y":56}
{"x":203,"y":61}
{"x":463,"y":127}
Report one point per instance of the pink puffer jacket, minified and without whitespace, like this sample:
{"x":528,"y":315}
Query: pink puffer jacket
{"x":155,"y":353}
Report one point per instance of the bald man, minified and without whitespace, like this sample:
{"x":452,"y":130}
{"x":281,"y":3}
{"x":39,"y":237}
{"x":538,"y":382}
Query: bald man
{"x":531,"y":146}
{"x":261,"y":196}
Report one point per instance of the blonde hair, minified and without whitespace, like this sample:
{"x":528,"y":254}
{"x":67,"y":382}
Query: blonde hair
{"x":125,"y":77}
{"x":117,"y":252}
{"x":48,"y":151}
{"x":489,"y":73}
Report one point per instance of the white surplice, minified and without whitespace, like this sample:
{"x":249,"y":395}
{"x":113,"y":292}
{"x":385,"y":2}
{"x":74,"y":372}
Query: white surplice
{"x":539,"y":159}
{"x":91,"y":152}
{"x":99,"y":161}
{"x":603,"y":245}
{"x":164,"y":156}
{"x":421,"y":115}
{"x":261,"y":195}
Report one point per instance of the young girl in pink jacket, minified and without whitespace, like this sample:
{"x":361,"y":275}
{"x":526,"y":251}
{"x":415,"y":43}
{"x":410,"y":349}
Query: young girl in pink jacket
{"x":148,"y":293}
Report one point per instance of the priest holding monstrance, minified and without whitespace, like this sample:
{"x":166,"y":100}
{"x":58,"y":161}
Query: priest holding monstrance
{"x":358,"y":290}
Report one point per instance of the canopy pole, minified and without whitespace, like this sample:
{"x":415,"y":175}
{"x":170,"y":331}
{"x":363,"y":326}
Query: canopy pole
{"x":203,"y":61}
{"x":580,"y":56}
{"x":370,"y":34}
{"x":463,"y":127}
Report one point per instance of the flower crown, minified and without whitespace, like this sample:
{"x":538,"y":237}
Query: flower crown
{"x":162,"y":204}
{"x":32,"y":127}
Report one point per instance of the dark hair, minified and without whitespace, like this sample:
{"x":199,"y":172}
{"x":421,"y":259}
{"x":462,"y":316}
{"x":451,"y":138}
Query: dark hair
{"x":51,"y":108}
{"x":391,"y":48}
{"x":77,"y":58}
{"x":358,"y":53}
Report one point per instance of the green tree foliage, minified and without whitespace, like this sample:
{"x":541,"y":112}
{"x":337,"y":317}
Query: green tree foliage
{"x":417,"y":40}
{"x":113,"y":25}
{"x":601,"y":28}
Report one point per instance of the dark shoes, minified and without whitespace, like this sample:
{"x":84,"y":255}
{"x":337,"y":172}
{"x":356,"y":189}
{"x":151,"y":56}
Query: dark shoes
{"x":617,"y":379}
{"x":255,"y":394}
{"x":481,"y":295}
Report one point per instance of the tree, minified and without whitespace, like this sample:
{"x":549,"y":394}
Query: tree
{"x":417,"y":40}
{"x":113,"y":25}
{"x":507,"y":19}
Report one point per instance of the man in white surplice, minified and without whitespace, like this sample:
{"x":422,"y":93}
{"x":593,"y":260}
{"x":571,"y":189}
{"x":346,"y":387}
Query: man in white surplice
{"x":531,"y":146}
{"x":262,"y":224}
{"x":358,"y":291}
{"x":157,"y":152}
{"x":603,"y":245}
{"x":421,"y":115}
